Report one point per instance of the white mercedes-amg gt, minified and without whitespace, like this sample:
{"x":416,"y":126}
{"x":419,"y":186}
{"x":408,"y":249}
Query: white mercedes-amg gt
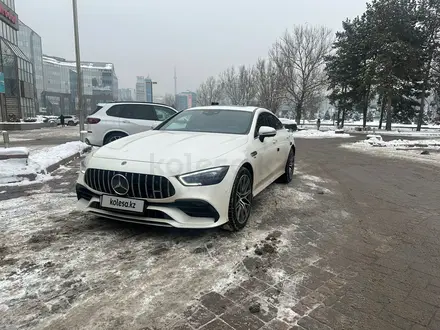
{"x":198,"y":169}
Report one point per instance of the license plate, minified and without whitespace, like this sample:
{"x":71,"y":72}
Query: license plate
{"x":124,"y":204}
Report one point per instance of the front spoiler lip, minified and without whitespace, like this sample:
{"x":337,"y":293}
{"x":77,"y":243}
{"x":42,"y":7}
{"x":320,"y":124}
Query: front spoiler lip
{"x":197,"y":223}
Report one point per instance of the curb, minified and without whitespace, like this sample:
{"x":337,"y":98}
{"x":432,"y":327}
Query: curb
{"x":55,"y":166}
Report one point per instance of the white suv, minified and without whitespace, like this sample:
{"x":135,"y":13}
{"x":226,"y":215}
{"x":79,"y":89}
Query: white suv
{"x":112,"y":121}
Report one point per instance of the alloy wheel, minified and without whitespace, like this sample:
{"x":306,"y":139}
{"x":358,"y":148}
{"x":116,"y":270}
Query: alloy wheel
{"x":243,"y":198}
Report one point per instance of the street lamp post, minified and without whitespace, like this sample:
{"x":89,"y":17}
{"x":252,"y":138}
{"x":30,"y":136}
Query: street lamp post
{"x":80,"y":103}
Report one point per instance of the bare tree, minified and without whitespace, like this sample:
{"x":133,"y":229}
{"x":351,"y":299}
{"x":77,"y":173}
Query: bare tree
{"x":209,"y":91}
{"x":239,"y":86}
{"x":299,"y":57}
{"x":269,"y":83}
{"x":169,"y":99}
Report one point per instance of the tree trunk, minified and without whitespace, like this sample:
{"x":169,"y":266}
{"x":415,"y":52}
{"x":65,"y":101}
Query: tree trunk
{"x":298,"y":114}
{"x":422,"y":110}
{"x":365,"y":107}
{"x":343,"y":118}
{"x":382,"y":110}
{"x":338,"y":119}
{"x":389,"y":113}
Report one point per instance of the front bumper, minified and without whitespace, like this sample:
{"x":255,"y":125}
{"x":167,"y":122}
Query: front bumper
{"x":189,"y":207}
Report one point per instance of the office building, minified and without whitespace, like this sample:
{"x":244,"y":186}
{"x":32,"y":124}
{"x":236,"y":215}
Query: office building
{"x":17,"y":90}
{"x":144,"y":89}
{"x":30,"y":43}
{"x":141,"y":89}
{"x":100,"y":84}
{"x":126,"y":94}
{"x":185,"y":100}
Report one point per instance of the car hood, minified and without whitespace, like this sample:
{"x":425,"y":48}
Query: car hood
{"x":170,"y":146}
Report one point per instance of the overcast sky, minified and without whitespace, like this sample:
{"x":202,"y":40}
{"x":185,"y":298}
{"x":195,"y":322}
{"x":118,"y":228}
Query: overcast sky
{"x":199,"y":37}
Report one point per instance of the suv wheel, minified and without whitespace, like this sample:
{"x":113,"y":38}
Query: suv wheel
{"x":113,"y":137}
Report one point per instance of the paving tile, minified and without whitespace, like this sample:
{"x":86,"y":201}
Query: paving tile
{"x":200,"y":316}
{"x":396,"y":320}
{"x":312,"y":324}
{"x":410,"y":313}
{"x":277,"y":324}
{"x":254,"y":285}
{"x":241,"y":319}
{"x":215,"y":302}
{"x":217,"y":325}
{"x":333,"y":318}
{"x":429,"y":297}
{"x":267,"y":311}
{"x":237,"y":294}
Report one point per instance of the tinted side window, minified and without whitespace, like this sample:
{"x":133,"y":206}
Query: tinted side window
{"x":138,"y":111}
{"x":263,"y":120}
{"x":163,"y":113}
{"x":115,"y":111}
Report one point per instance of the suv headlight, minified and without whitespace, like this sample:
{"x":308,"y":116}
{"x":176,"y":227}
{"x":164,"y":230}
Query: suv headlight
{"x":206,"y":177}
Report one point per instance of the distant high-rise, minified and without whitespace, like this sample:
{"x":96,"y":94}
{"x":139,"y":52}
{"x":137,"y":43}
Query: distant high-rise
{"x":141,"y":94}
{"x":144,"y":89}
{"x":149,"y":89}
{"x":185,"y":100}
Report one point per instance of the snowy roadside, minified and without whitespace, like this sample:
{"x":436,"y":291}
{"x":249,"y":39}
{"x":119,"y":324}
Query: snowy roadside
{"x":315,"y":134}
{"x":427,"y":151}
{"x":41,"y":161}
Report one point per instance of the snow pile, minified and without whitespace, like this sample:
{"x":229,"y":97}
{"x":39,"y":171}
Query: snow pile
{"x":17,"y":151}
{"x":16,"y":170}
{"x":377,"y":141}
{"x":427,"y":151}
{"x":315,"y":134}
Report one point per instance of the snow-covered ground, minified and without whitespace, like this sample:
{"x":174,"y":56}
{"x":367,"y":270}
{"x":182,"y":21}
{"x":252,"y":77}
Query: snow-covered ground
{"x":315,"y":134}
{"x":65,"y":269}
{"x":420,"y":150}
{"x":13,"y":171}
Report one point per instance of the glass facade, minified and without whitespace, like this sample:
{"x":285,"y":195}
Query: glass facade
{"x":30,"y":43}
{"x":18,"y":102}
{"x":100,"y":84}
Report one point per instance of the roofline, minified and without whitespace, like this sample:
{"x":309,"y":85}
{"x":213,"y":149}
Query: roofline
{"x":20,"y":22}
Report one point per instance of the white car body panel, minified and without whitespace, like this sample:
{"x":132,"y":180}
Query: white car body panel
{"x":173,"y":153}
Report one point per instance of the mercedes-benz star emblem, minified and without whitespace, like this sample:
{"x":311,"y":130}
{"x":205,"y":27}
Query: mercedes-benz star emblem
{"x":120,"y":184}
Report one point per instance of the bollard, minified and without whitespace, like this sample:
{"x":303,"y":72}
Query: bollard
{"x":82,"y":136}
{"x":6,"y":138}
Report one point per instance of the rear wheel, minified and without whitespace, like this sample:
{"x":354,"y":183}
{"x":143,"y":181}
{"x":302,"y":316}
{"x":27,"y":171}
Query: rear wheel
{"x":113,"y":137}
{"x":240,"y":202}
{"x":70,"y":123}
{"x":290,"y":167}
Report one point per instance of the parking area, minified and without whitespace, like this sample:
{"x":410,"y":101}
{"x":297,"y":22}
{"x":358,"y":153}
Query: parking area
{"x":351,"y":243}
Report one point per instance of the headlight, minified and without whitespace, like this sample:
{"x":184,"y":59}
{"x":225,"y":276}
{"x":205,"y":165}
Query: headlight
{"x":205,"y":177}
{"x":84,"y":163}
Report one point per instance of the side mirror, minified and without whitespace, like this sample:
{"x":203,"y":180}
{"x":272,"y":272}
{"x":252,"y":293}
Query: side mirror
{"x":266,"y":131}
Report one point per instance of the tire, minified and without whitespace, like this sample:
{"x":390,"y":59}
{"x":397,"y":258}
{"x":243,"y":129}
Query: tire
{"x":113,"y":137}
{"x":289,"y":168}
{"x":240,"y":202}
{"x":70,"y":123}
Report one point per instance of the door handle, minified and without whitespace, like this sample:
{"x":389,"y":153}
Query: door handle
{"x":274,"y":141}
{"x":126,"y":122}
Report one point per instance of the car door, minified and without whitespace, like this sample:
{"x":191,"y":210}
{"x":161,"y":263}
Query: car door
{"x":282,"y":142}
{"x":264,"y":152}
{"x":137,"y":118}
{"x":163,"y":113}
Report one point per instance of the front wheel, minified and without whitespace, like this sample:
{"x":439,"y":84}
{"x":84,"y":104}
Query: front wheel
{"x":240,"y":202}
{"x":290,"y":167}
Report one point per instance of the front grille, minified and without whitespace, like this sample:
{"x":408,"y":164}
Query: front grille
{"x":140,"y":185}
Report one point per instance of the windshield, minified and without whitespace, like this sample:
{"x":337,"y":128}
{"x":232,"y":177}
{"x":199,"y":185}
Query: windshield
{"x":210,"y":121}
